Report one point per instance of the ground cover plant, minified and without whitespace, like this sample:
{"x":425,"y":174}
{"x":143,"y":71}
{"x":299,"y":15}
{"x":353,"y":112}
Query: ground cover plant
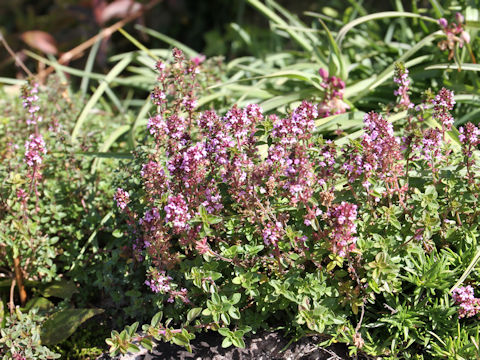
{"x":245,"y":221}
{"x":328,"y":188}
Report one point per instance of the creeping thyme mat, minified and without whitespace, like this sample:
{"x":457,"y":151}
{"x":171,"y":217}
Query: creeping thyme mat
{"x":244,"y":219}
{"x":320,"y":202}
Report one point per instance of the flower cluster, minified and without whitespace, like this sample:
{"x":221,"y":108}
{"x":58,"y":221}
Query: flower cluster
{"x":430,"y":146}
{"x":241,"y":123}
{"x":122,"y":198}
{"x":157,"y":126}
{"x":465,"y":299}
{"x":326,"y":162}
{"x":30,"y":99}
{"x":160,"y":282}
{"x":154,"y":178}
{"x":272,"y":233}
{"x":442,"y":104}
{"x":332,"y":102}
{"x":469,"y":137}
{"x":177,"y":212}
{"x":296,"y":127}
{"x":34,"y":148}
{"x":342,"y":219}
{"x":401,"y":78}
{"x":455,"y":34}
{"x":380,"y":156}
{"x":288,"y":162}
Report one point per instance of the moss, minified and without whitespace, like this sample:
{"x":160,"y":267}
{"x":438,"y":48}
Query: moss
{"x":87,"y":343}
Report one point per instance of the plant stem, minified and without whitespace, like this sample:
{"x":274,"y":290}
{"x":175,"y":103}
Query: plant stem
{"x":19,"y":278}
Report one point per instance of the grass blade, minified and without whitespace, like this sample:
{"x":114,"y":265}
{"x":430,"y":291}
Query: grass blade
{"x":301,"y":40}
{"x":138,"y":44}
{"x":381,"y":15}
{"x":170,"y":41}
{"x":89,"y":66}
{"x":468,"y":270}
{"x":116,"y":70}
{"x":107,"y":144}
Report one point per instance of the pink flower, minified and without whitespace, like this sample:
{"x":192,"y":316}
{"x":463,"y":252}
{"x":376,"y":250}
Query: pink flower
{"x":465,"y":299}
{"x":272,"y":233}
{"x":332,"y":102}
{"x":443,"y":22}
{"x":122,"y":198}
{"x":442,"y":104}
{"x":342,"y":219}
{"x":30,"y":98}
{"x":35,"y":147}
{"x":159,"y":282}
{"x":197,"y":60}
{"x":177,"y":213}
{"x":402,"y":79}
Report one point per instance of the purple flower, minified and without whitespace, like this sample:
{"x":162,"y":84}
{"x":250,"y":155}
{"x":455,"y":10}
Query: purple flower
{"x":342,"y":228}
{"x":34,"y":147}
{"x":380,"y":156}
{"x":159,"y":282}
{"x":332,"y":102}
{"x":157,"y":126}
{"x":30,"y":98}
{"x":177,"y":213}
{"x":272,"y":233}
{"x":442,"y":104}
{"x":443,"y":22}
{"x":465,"y":299}
{"x":122,"y":198}
{"x":403,"y":81}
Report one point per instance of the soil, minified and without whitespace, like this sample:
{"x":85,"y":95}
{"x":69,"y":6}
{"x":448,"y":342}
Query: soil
{"x":262,"y":346}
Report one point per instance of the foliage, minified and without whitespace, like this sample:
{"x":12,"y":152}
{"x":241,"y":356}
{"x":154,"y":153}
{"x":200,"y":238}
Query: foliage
{"x":245,"y":220}
{"x":20,"y":338}
{"x":49,"y":202}
{"x":259,"y":192}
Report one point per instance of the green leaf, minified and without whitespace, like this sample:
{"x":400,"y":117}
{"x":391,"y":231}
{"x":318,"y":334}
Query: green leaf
{"x":60,"y":289}
{"x":188,"y":51}
{"x":180,"y":339}
{"x":234,"y":313}
{"x":193,"y":313}
{"x":279,"y":21}
{"x":38,"y":303}
{"x":453,"y":66}
{"x":224,"y":331}
{"x":156,"y":319}
{"x":62,"y":324}
{"x":226,"y":342}
{"x":132,"y":328}
{"x":235,"y":298}
{"x":225,"y":318}
{"x":133,"y":348}
{"x":138,"y":44}
{"x":468,"y":270}
{"x":2,"y":314}
{"x":89,"y":66}
{"x":238,"y":342}
{"x":334,"y":50}
{"x":146,"y":343}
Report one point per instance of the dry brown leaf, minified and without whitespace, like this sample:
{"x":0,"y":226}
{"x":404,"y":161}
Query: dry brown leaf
{"x":119,"y":9}
{"x":40,"y":40}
